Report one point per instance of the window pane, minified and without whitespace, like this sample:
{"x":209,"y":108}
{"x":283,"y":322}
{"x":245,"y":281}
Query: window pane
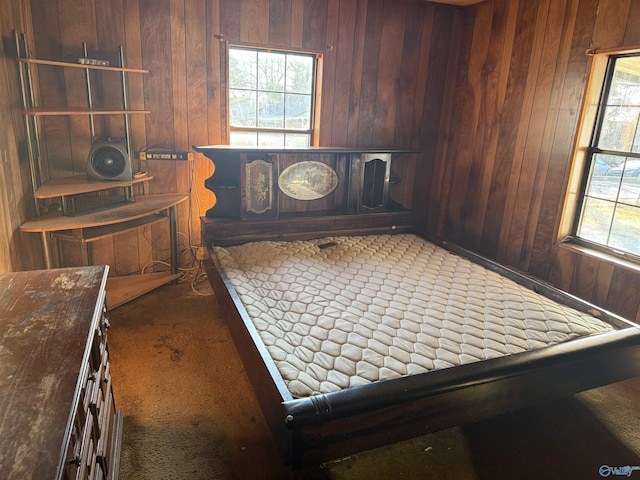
{"x":267,"y":139}
{"x":272,"y":93}
{"x":601,"y":183}
{"x":625,"y":231}
{"x":630,"y":185}
{"x":611,"y":206}
{"x":242,"y":111}
{"x":596,"y":219}
{"x":619,"y":128}
{"x":298,"y":110}
{"x":299,"y":74}
{"x":602,"y":164}
{"x":271,"y":71}
{"x":624,"y":84}
{"x":246,"y":139}
{"x":270,"y":110}
{"x":297,"y":140}
{"x":243,"y":68}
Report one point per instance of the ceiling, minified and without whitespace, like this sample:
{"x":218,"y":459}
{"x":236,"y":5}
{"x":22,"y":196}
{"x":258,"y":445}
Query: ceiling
{"x":462,"y":3}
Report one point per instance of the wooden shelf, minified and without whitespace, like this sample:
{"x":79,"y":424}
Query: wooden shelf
{"x":40,"y":111}
{"x":78,"y":184}
{"x":143,"y":206}
{"x":115,"y":218}
{"x":93,"y":234}
{"x":121,"y":290}
{"x":35,"y":61}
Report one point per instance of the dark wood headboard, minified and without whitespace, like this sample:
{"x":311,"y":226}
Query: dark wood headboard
{"x":299,"y":193}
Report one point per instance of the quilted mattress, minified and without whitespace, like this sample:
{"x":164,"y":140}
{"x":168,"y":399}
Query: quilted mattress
{"x":344,"y":311}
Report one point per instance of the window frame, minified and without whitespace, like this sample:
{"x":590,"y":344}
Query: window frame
{"x":589,"y":127}
{"x":316,"y":95}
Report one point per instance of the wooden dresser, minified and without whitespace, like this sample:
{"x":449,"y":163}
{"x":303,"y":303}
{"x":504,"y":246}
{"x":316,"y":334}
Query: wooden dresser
{"x":57,"y":413}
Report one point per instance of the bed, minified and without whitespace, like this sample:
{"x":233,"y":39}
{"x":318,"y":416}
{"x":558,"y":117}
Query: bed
{"x":356,"y":332}
{"x":355,"y":340}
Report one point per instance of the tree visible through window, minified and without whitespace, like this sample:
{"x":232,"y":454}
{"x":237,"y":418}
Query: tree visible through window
{"x":610,"y":213}
{"x":271,"y":97}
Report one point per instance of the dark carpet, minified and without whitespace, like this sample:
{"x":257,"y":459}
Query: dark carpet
{"x":189,"y":413}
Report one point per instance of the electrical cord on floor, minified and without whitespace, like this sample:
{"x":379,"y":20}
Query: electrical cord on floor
{"x":190,"y":269}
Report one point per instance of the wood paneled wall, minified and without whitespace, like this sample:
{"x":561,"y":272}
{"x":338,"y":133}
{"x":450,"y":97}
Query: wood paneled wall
{"x":490,"y":93}
{"x":497,"y":184}
{"x":17,"y":251}
{"x":383,"y":82}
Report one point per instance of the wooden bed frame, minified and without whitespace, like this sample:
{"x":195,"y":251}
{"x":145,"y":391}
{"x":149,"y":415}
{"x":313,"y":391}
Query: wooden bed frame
{"x":322,"y":427}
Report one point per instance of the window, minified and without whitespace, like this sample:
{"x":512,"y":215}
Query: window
{"x":610,"y":203}
{"x":272,"y":97}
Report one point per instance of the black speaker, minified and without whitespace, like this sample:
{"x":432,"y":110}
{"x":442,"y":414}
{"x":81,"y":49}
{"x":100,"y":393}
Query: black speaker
{"x":109,"y":160}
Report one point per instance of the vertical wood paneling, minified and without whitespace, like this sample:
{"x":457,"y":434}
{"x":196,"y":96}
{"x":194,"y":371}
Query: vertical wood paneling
{"x":527,"y":144}
{"x":409,"y":97}
{"x":463,"y":165}
{"x":253,"y":27}
{"x":372,"y":51}
{"x":201,"y":52}
{"x":297,"y":22}
{"x":230,"y":15}
{"x":505,"y":150}
{"x":314,"y":34}
{"x":508,"y":140}
{"x":370,"y":60}
{"x":443,"y":152}
{"x":611,"y":23}
{"x":565,"y":24}
{"x":103,"y":251}
{"x":423,"y":168}
{"x":133,"y":52}
{"x":496,"y":79}
{"x":72,"y":34}
{"x":490,"y":93}
{"x":157,"y":49}
{"x":212,"y":44}
{"x":179,"y":84}
{"x":560,"y":154}
{"x":624,"y":293}
{"x":18,"y":251}
{"x":22,"y":252}
{"x":388,"y":82}
{"x":110,"y":33}
{"x":341,"y":55}
{"x":279,"y":22}
{"x":55,"y":138}
{"x":329,"y":61}
{"x":449,"y":131}
{"x":182,"y":173}
{"x":632,"y":30}
{"x":355,"y":87}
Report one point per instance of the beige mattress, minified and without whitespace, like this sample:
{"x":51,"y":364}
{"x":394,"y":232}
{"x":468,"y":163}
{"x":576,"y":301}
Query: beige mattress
{"x":344,"y":311}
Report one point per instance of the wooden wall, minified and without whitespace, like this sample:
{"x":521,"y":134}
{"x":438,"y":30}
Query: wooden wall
{"x":491,"y":94}
{"x":498,"y":181}
{"x":383,"y":83}
{"x":17,"y":251}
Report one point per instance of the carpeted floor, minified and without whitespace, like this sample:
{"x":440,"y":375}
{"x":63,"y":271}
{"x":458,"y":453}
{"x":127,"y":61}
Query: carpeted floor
{"x":190,"y":414}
